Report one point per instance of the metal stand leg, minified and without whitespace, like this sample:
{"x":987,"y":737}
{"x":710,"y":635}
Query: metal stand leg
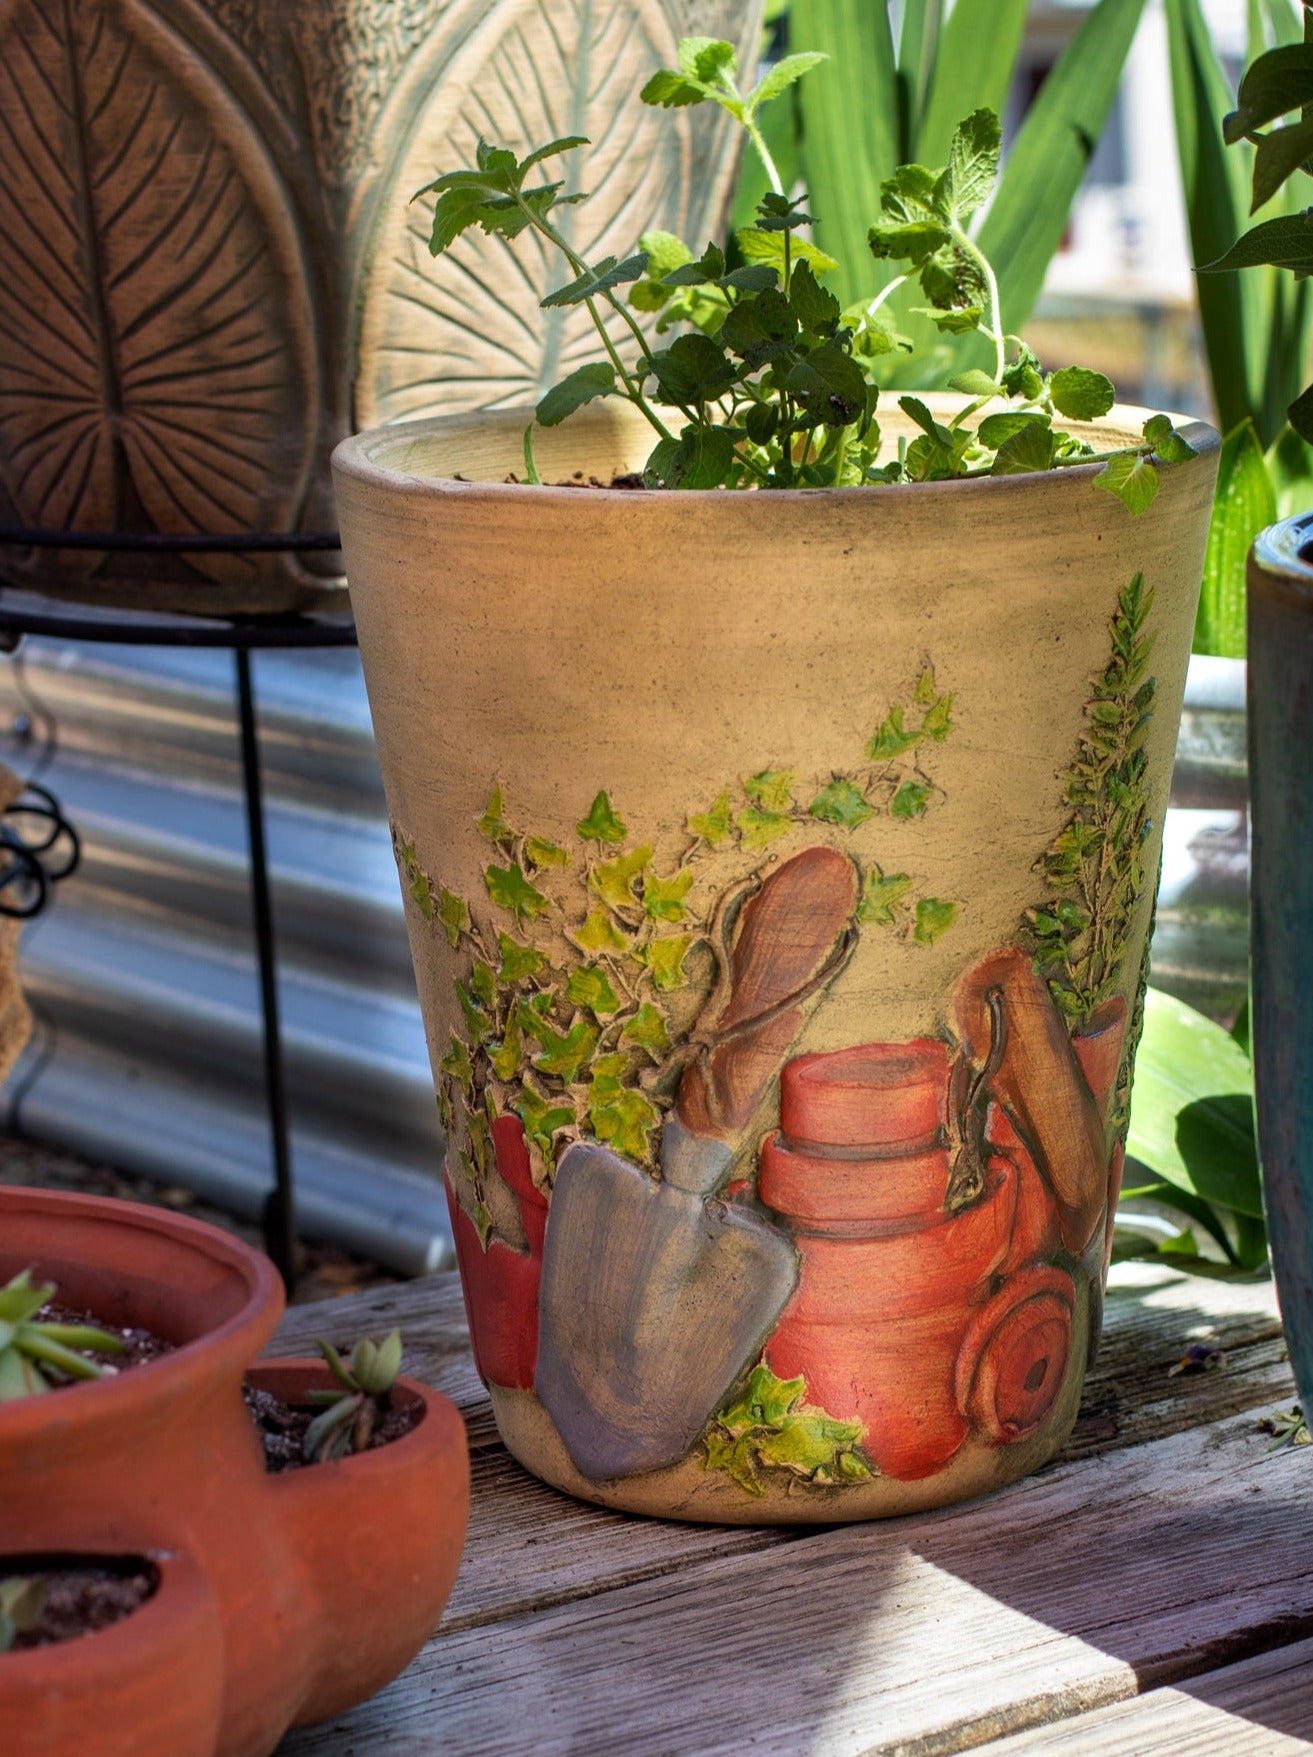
{"x":280,"y":1207}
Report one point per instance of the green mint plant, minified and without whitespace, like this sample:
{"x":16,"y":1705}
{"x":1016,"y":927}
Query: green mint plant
{"x":352,"y":1414}
{"x":771,"y":385}
{"x":37,"y":1356}
{"x":22,"y":1600}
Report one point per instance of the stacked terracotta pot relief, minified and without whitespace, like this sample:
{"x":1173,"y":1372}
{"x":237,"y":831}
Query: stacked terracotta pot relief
{"x":779,"y":872}
{"x":209,"y":272}
{"x":281,"y":1600}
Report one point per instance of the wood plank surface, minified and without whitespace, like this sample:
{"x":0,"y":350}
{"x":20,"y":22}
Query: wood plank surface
{"x":1169,"y":1541}
{"x":1260,"y":1707}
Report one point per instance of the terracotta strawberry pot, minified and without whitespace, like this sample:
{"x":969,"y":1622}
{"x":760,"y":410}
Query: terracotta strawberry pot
{"x":779,"y":872}
{"x":149,"y":1686}
{"x":327,"y":1580}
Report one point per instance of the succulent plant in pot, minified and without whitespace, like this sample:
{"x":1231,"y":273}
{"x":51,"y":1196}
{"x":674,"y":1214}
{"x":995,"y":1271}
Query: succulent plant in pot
{"x":163,"y":1456}
{"x":776,"y":782}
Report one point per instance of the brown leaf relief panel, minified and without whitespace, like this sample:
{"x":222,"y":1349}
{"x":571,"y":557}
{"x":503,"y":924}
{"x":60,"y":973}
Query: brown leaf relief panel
{"x":156,"y":373}
{"x":532,"y":73}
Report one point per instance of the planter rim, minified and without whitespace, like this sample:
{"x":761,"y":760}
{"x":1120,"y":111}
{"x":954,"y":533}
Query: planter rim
{"x":123,"y":1396}
{"x":1286,"y":550}
{"x":275,"y":1367}
{"x":357,"y":457}
{"x":180,"y":1585}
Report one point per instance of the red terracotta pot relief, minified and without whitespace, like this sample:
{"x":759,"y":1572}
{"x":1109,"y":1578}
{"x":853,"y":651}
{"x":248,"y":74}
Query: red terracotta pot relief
{"x":500,"y":1284}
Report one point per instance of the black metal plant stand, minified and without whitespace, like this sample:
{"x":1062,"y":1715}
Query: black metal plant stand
{"x":28,"y":613}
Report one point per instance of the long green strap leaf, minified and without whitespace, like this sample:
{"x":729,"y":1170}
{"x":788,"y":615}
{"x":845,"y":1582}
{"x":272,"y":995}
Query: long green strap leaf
{"x":976,"y":63}
{"x":1052,"y":152}
{"x":918,"y":57}
{"x":850,"y":112}
{"x":1244,"y":505}
{"x":1290,"y":465}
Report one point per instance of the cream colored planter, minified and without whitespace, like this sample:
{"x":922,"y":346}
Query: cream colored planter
{"x":779,"y":870}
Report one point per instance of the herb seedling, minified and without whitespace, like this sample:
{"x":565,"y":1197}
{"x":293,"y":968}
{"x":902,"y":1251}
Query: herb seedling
{"x":36,"y":1356}
{"x":22,"y":1600}
{"x":352,"y":1414}
{"x":773,"y":385}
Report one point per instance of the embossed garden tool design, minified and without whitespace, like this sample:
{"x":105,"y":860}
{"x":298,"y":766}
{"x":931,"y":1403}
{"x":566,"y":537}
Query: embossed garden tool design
{"x":656,"y":1295}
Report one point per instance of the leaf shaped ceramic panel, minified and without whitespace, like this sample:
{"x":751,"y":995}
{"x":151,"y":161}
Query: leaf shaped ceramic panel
{"x":158,"y":372}
{"x":465,"y":332}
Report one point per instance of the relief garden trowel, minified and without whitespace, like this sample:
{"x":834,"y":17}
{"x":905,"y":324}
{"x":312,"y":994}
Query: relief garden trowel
{"x":656,"y":1293}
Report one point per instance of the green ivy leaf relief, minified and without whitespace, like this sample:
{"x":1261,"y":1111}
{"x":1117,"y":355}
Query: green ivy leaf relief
{"x":453,"y":914}
{"x":421,"y":891}
{"x":665,"y":957}
{"x":509,"y":889}
{"x":481,"y":1215}
{"x":663,"y":898}
{"x":541,"y":853}
{"x":492,"y":824}
{"x":938,"y":721}
{"x":614,"y":880}
{"x":477,"y":1022}
{"x":892,"y":739}
{"x":543,"y":1119}
{"x":772,"y":790}
{"x":648,"y":1029}
{"x":625,"y":1121}
{"x":933,"y":920}
{"x":505,"y":1057}
{"x":518,"y":962}
{"x":910,"y":800}
{"x":925,"y":694}
{"x":564,"y":1055}
{"x":841,"y":803}
{"x":715,"y":826}
{"x":590,"y":988}
{"x":881,"y":895}
{"x":599,"y":934}
{"x":758,"y":828}
{"x":771,"y":1428}
{"x":483,"y":984}
{"x":602,"y":824}
{"x":446,"y":1110}
{"x":458,"y":1065}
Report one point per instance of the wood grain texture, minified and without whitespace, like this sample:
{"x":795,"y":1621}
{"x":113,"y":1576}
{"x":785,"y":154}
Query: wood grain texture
{"x":1260,"y":1707}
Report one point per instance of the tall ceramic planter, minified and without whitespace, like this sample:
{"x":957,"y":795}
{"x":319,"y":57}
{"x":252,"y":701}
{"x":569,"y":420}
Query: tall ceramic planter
{"x":779,"y":868}
{"x":209,"y":272}
{"x":1281,"y":898}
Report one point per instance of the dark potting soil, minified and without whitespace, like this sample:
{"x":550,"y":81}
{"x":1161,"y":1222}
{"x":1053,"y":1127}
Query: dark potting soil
{"x":79,"y":1601}
{"x":282,"y":1427}
{"x":140,"y":1347}
{"x":630,"y":484}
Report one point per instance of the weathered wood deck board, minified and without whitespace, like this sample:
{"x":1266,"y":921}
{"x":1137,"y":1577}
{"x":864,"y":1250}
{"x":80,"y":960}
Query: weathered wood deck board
{"x":530,"y":1548}
{"x":1260,"y":1707}
{"x":927,"y":1635}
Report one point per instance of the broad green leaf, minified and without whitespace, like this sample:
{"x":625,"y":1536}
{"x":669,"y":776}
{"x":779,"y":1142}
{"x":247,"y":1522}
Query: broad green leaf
{"x":881,"y":895}
{"x":649,"y":1029}
{"x":829,"y":387}
{"x":1280,"y":154}
{"x":518,"y":962}
{"x":626,"y":1121}
{"x":564,"y":1055}
{"x":453,"y":915}
{"x":599,"y":933}
{"x":910,"y":800}
{"x":1051,"y":153}
{"x":672,"y":91}
{"x":1244,"y":505}
{"x":1285,"y":242}
{"x":542,"y":853}
{"x":1275,"y":84}
{"x":1132,"y":478}
{"x":841,"y":803}
{"x":693,"y":369}
{"x":974,"y":383}
{"x":591,"y":988}
{"x":768,"y":247}
{"x":1191,"y":1107}
{"x":707,"y":59}
{"x":584,"y":385}
{"x":1030,"y":448}
{"x":1081,"y":394}
{"x":933,"y":919}
{"x":972,"y":165}
{"x":602,"y":824}
{"x":715,"y":826}
{"x":781,"y":76}
{"x":663,"y":898}
{"x":614,"y":881}
{"x":702,"y":459}
{"x":509,"y":889}
{"x":664,"y":253}
{"x":772,"y":789}
{"x":492,"y":824}
{"x":665,"y":957}
{"x":815,"y":307}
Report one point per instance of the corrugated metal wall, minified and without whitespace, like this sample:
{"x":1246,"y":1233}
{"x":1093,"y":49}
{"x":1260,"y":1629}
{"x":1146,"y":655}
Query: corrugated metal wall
{"x":143,"y":976}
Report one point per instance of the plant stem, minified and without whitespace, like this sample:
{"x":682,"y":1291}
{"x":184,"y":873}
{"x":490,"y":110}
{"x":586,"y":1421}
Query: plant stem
{"x":763,"y":153}
{"x":995,"y":329}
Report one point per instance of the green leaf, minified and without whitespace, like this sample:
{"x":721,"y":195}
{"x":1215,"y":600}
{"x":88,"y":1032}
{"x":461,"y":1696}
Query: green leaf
{"x":1132,"y":478}
{"x":518,"y":962}
{"x":910,"y":800}
{"x":649,"y":1029}
{"x":1275,"y":84}
{"x":1050,"y":155}
{"x":933,"y":920}
{"x":614,"y":881}
{"x":457,"y":1063}
{"x":672,"y":91}
{"x":492,"y":824}
{"x":601,"y":824}
{"x":599,"y":933}
{"x":543,"y":1119}
{"x":564,"y":1055}
{"x":665,"y":957}
{"x":584,"y":385}
{"x":709,"y":60}
{"x":590,"y":988}
{"x":1285,"y":242}
{"x":554,"y":148}
{"x":1244,"y":505}
{"x":483,"y":984}
{"x":626,"y":1122}
{"x":841,"y":803}
{"x":938,"y":721}
{"x":452,"y":914}
{"x":973,"y":155}
{"x":421,"y":890}
{"x":815,"y":307}
{"x":780,"y":77}
{"x":702,"y":459}
{"x":665,"y":253}
{"x":663,"y":898}
{"x":714,"y":826}
{"x":505,"y":1056}
{"x":914,"y":241}
{"x":974,"y":383}
{"x":1029,"y":449}
{"x":693,"y":369}
{"x":892,"y":739}
{"x":509,"y":889}
{"x":1280,"y":154}
{"x":881,"y":895}
{"x":772,"y":789}
{"x":759,"y":828}
{"x":1191,"y":1107}
{"x":477,"y":1022}
{"x":1081,"y":394}
{"x":829,"y":387}
{"x":541,"y":853}
{"x":768,"y":247}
